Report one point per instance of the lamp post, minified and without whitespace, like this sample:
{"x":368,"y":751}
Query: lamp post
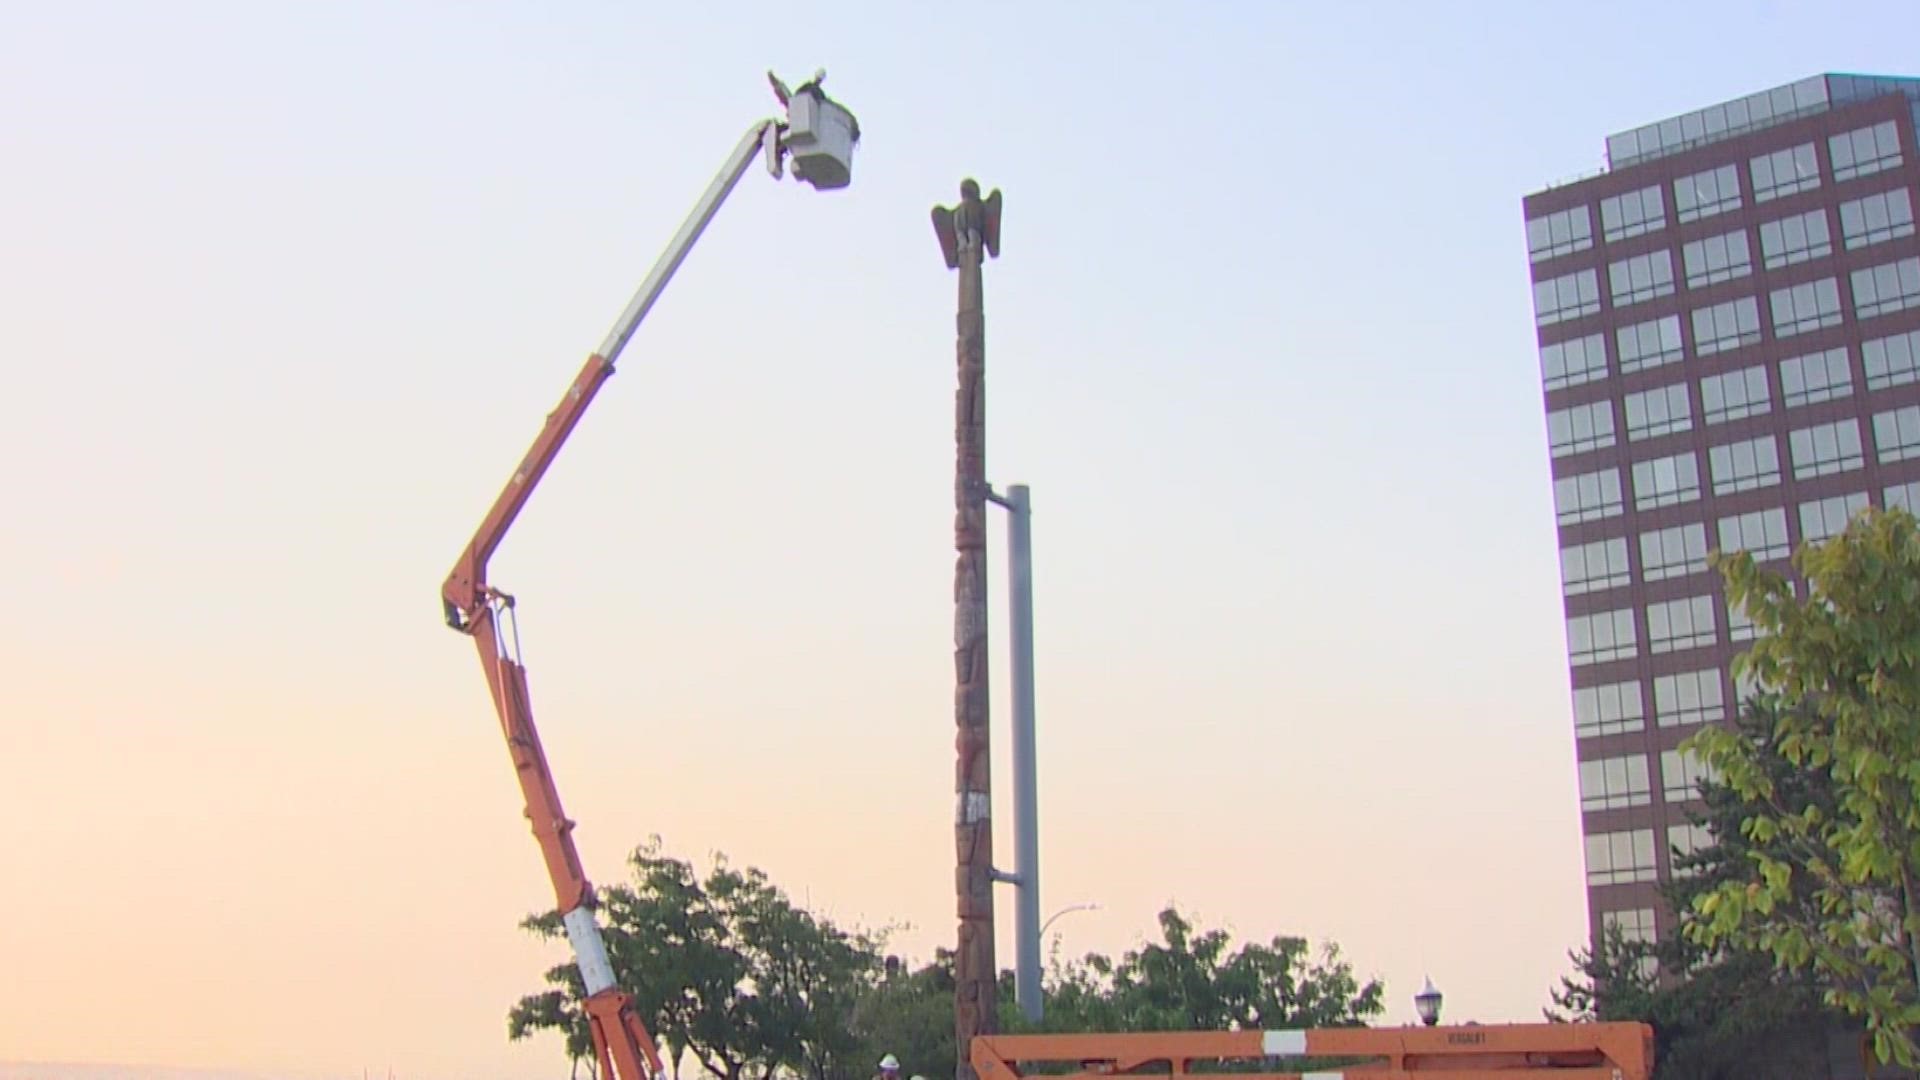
{"x":1069,"y":909}
{"x":1427,"y":1004}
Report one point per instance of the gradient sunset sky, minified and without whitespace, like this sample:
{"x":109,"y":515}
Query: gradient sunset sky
{"x":287,"y":289}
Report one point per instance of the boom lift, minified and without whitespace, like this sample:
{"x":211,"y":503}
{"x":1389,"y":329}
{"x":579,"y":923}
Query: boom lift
{"x":820,"y":135}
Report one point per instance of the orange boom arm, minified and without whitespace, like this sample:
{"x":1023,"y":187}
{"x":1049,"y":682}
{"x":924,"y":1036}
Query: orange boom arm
{"x":624,"y":1048}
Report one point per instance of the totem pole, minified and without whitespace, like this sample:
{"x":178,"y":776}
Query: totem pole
{"x":968,"y":233}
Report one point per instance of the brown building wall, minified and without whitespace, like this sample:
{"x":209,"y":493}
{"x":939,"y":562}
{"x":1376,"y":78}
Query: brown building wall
{"x":1860,"y":405}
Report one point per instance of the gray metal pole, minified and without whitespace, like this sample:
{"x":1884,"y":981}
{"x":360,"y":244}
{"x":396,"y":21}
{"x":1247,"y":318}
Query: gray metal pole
{"x":1026,"y":788}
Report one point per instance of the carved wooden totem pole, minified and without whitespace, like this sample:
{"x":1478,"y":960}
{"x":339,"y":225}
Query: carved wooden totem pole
{"x":968,"y":233}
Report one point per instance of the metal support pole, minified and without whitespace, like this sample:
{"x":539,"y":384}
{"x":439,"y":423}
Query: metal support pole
{"x":1026,"y":785}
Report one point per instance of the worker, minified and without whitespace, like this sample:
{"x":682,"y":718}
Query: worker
{"x":889,"y":1068}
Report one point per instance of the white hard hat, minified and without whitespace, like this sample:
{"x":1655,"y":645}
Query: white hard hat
{"x":890,"y":1063}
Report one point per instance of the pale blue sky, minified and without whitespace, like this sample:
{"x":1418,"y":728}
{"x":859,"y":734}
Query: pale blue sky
{"x":288,"y":288}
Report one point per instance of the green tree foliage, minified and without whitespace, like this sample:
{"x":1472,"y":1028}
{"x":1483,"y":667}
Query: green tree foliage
{"x":1193,"y":980}
{"x":727,"y":971}
{"x":1733,"y":1019}
{"x":723,"y":968}
{"x":910,"y":1015}
{"x":1833,"y":888}
{"x":1724,"y":1011}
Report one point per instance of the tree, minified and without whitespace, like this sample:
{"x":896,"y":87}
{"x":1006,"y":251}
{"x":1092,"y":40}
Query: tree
{"x":910,"y":1015}
{"x":1185,"y":981}
{"x":1832,"y":889}
{"x":1192,"y":981}
{"x":723,"y":968}
{"x":1726,"y":1010}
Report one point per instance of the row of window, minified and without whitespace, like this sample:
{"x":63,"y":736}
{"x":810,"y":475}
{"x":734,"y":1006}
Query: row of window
{"x":1796,"y":309}
{"x":1735,"y":395}
{"x":1681,"y":550}
{"x":1626,"y":856}
{"x":1682,"y":699}
{"x":1713,"y":191}
{"x":1605,"y":636}
{"x":1596,"y":496}
{"x":1688,"y":622}
{"x":1615,"y":783}
{"x":1744,"y":465}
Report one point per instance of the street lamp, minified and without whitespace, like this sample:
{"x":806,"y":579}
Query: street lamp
{"x":1427,"y":1004}
{"x":1063,"y":911}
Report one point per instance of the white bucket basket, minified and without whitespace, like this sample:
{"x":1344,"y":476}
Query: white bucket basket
{"x":821,"y":134}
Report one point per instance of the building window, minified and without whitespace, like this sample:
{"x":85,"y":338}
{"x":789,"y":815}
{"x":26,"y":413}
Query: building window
{"x":1673,"y":552}
{"x":1619,"y":858}
{"x":1760,"y":533}
{"x":1602,"y":636}
{"x":1634,"y":925}
{"x":1660,"y":411}
{"x":1631,"y":214}
{"x":1745,"y":465}
{"x":1681,"y":775}
{"x":1601,"y":564}
{"x":1613,"y":709}
{"x":1888,"y":287}
{"x":1568,"y":296}
{"x":1905,"y":496}
{"x":1631,"y":924}
{"x":1784,"y":172}
{"x":1864,"y":151}
{"x":1642,"y":277}
{"x":1684,"y":840}
{"x":1820,"y":376}
{"x":1587,"y":497}
{"x":1649,"y":344}
{"x":1667,"y":481}
{"x":1562,"y":232}
{"x":1686,"y":623}
{"x":1580,"y":428}
{"x":1731,"y":396}
{"x":1896,"y":434}
{"x":1876,"y":218}
{"x":1726,"y":326}
{"x":1717,"y":258}
{"x":1740,"y":628}
{"x":1891,"y":361}
{"x":1615,"y":783}
{"x":1570,"y":363}
{"x":1691,"y":697}
{"x":1809,"y":305}
{"x":1704,"y":194}
{"x":1827,"y":517}
{"x":1795,"y":239}
{"x":1825,"y":449}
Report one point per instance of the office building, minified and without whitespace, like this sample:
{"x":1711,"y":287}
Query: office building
{"x":1729,"y":331}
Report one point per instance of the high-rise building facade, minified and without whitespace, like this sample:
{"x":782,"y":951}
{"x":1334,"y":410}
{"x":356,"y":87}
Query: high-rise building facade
{"x":1729,"y":330}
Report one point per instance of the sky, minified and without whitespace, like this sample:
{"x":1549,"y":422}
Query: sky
{"x":287,"y":289}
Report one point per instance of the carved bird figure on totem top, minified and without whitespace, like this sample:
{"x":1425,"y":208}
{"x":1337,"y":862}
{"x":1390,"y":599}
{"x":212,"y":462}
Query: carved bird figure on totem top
{"x":973,"y":216}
